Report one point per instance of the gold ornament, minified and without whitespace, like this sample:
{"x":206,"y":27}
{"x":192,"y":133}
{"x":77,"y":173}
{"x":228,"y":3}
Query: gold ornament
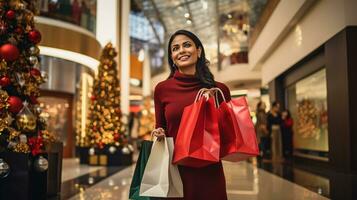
{"x":3,"y":66}
{"x":3,"y":99}
{"x":13,"y":134}
{"x":26,"y":123}
{"x":25,"y":120}
{"x":22,"y":148}
{"x":49,"y":137}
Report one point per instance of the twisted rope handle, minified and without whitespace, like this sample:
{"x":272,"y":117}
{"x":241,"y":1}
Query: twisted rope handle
{"x":216,"y":91}
{"x":201,"y":93}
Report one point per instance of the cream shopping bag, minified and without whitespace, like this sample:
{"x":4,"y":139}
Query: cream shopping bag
{"x":161,"y":178}
{"x":175,"y":187}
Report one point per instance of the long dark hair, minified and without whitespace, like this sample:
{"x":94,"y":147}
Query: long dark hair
{"x":202,"y":71}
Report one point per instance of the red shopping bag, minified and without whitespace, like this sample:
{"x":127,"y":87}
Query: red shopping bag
{"x":198,"y":140}
{"x":238,"y":137}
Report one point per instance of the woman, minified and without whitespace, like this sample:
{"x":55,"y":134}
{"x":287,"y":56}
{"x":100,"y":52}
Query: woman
{"x":287,"y":133}
{"x":189,"y":73}
{"x":261,"y":128}
{"x":274,"y":127}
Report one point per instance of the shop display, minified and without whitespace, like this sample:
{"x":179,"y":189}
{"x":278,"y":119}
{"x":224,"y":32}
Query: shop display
{"x":307,"y":100}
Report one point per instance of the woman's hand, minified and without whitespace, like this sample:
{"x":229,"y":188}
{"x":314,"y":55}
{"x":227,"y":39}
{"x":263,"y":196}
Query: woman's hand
{"x":159,"y":133}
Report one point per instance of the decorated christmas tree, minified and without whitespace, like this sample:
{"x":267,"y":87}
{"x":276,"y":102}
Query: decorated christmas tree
{"x":105,"y":124}
{"x":22,"y":129}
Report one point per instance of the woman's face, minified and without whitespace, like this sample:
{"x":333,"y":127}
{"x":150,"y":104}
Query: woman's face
{"x":284,"y":114}
{"x":184,"y":52}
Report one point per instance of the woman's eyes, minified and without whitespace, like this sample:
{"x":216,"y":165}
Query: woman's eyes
{"x":186,"y":45}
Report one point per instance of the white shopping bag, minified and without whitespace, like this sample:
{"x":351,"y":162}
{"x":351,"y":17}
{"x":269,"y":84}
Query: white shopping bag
{"x":176,"y":187}
{"x":161,"y":178}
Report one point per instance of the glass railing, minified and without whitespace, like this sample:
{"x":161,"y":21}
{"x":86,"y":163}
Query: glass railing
{"x":78,"y":12}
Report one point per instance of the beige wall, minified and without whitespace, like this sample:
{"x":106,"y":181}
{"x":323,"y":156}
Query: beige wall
{"x":319,"y":23}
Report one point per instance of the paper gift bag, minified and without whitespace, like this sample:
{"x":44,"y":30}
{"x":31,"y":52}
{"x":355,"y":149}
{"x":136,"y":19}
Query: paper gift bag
{"x":176,"y":186}
{"x":198,"y":140}
{"x":139,"y":171}
{"x":161,"y":178}
{"x":238,"y":137}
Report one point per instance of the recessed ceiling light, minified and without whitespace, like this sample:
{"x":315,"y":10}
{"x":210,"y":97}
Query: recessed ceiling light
{"x":187,"y":15}
{"x":229,"y":16}
{"x":189,"y":22}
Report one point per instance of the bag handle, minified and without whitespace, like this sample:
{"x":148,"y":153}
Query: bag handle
{"x":201,"y":93}
{"x":216,"y":91}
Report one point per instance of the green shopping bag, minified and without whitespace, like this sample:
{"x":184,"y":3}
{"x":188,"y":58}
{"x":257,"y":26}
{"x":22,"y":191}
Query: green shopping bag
{"x":139,"y":171}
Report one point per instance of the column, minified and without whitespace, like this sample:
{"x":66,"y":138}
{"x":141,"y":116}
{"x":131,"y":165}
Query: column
{"x":125,"y":57}
{"x":146,"y":75}
{"x":107,"y":29}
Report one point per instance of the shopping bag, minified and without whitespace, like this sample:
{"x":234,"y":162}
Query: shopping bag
{"x":139,"y":171}
{"x":238,"y":137}
{"x":161,"y":178}
{"x":198,"y":140}
{"x":176,"y":186}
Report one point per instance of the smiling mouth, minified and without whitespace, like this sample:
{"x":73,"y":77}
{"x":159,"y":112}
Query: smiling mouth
{"x":183,"y":58}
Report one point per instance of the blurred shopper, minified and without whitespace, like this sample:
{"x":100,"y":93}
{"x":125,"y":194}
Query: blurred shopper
{"x":189,"y":73}
{"x":287,"y":133}
{"x":76,"y":12}
{"x":261,"y":129}
{"x":274,"y":127}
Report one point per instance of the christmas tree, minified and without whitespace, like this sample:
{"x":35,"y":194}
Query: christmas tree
{"x":22,"y":129}
{"x":105,"y":125}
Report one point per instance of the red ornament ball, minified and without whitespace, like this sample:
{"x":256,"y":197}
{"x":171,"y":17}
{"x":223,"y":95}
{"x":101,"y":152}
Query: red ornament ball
{"x":93,"y":98}
{"x":35,"y":72}
{"x":10,"y":14}
{"x":9,"y":52}
{"x":5,"y":81}
{"x":34,"y":36}
{"x":15,"y":104}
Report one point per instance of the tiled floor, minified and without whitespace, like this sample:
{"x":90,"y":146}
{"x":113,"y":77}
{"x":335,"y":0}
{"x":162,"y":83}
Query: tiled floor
{"x":244,"y":182}
{"x":72,"y":169}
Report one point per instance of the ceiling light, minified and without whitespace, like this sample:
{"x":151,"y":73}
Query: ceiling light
{"x":189,"y":22}
{"x":229,"y":16}
{"x":187,"y":15}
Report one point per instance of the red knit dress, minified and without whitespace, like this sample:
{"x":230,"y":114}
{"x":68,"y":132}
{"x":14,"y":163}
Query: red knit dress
{"x":171,"y":97}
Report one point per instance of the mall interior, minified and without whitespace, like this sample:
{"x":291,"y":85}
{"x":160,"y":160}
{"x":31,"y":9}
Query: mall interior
{"x":77,"y":82}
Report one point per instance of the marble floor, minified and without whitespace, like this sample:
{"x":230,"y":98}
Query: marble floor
{"x":72,"y":169}
{"x":245,"y":181}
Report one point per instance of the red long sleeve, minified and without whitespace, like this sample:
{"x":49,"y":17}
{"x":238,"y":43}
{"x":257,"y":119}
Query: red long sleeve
{"x":171,"y":97}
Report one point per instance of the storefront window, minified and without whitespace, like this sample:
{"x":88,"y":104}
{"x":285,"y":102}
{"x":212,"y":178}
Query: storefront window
{"x":79,"y":12}
{"x":307,"y":101}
